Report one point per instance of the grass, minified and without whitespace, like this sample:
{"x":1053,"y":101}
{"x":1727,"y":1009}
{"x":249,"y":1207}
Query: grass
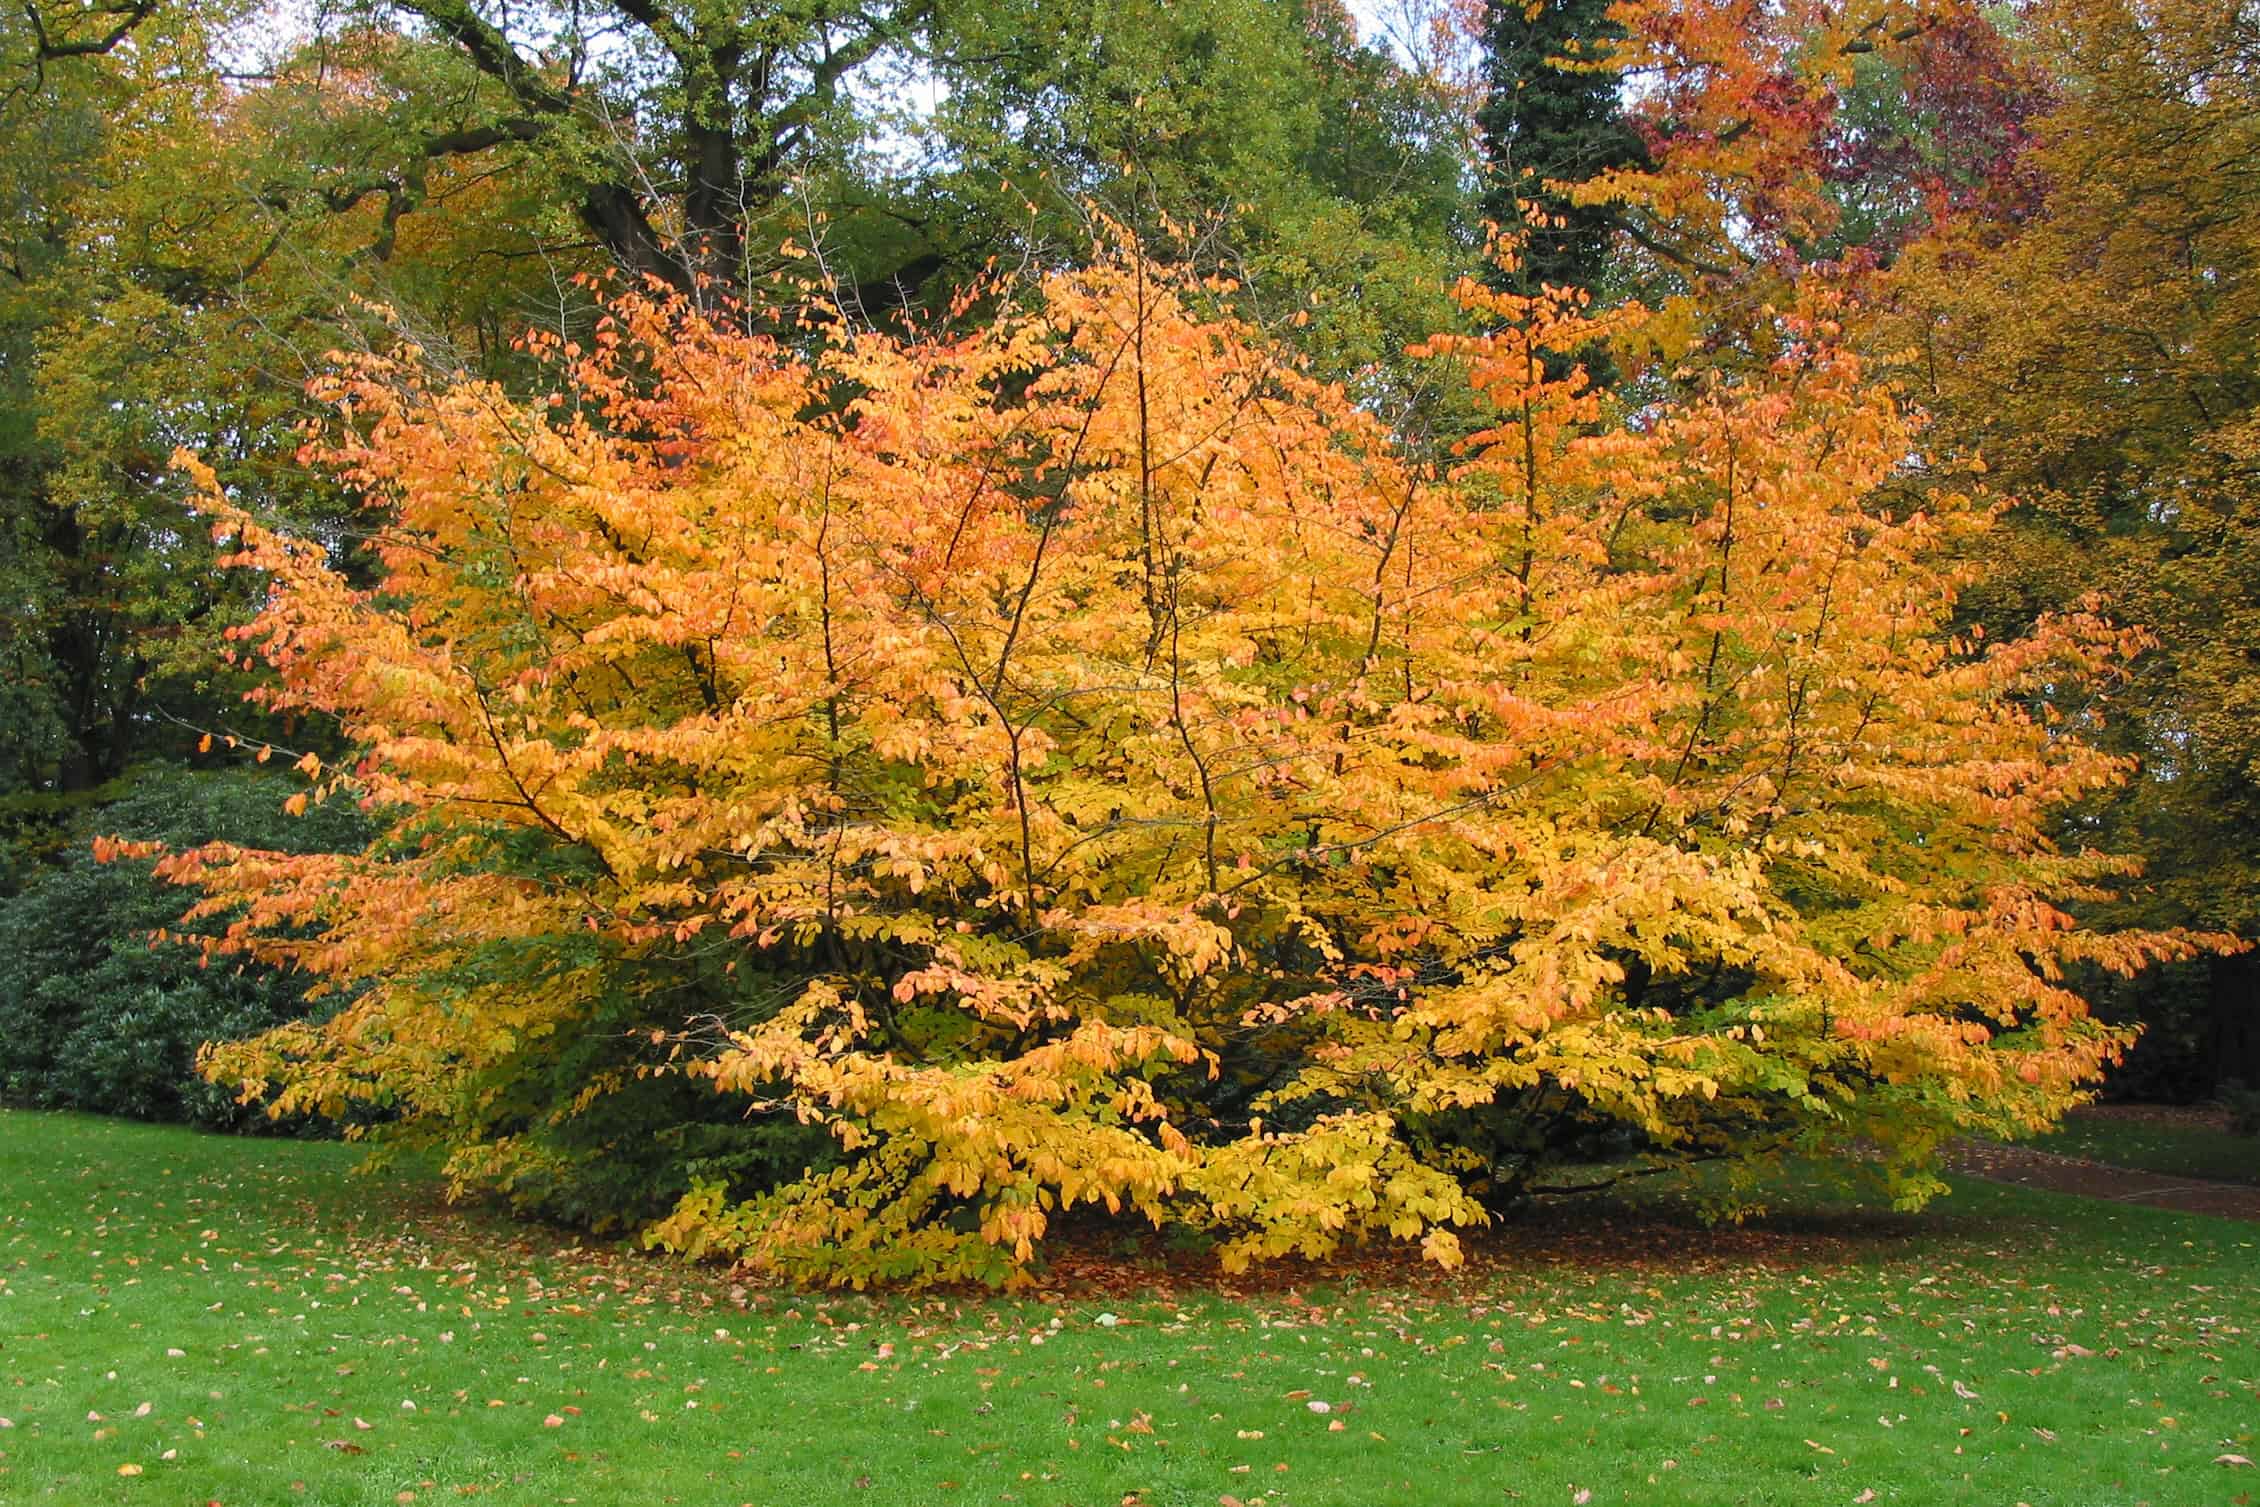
{"x":2173,"y":1147}
{"x":243,"y":1323}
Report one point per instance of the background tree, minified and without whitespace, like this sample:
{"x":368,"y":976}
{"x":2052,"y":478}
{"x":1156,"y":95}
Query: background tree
{"x":1775,"y":139}
{"x":96,"y":387}
{"x":1733,"y":101}
{"x":175,"y":273}
{"x":672,"y":130}
{"x":1266,"y":141}
{"x":1552,"y":114}
{"x":1934,"y":131}
{"x":172,"y":268}
{"x":2098,"y":354}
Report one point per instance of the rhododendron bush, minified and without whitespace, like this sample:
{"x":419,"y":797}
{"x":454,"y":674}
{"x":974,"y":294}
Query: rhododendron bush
{"x":895,"y":793}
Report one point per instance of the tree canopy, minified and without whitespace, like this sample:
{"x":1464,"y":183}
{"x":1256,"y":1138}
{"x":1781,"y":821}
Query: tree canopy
{"x":1086,"y":761}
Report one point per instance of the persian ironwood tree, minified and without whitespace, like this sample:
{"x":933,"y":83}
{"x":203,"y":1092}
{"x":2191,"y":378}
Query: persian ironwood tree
{"x":1086,"y":763}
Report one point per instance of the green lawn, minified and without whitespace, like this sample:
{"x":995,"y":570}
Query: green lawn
{"x":2178,"y":1150}
{"x":244,"y":1324}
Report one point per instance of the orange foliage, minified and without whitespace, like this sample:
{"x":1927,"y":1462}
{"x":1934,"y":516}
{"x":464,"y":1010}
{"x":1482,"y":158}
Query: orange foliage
{"x":1096,"y":766}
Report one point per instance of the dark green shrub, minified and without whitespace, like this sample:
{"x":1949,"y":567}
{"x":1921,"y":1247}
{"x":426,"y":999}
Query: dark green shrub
{"x":2243,"y":1104}
{"x":93,"y":1015}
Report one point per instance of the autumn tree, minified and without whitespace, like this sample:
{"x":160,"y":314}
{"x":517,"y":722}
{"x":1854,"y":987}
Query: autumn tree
{"x":1775,"y":140}
{"x":1087,"y":764}
{"x":1735,"y":105}
{"x":1933,"y":131}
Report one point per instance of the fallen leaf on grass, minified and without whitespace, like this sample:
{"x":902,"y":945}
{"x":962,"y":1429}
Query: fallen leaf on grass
{"x":129,"y":1470}
{"x":2230,"y":1460}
